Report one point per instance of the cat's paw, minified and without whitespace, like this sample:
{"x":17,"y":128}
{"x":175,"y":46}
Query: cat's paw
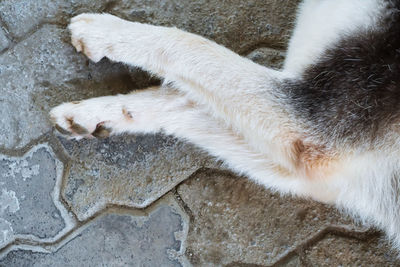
{"x":81,"y":120}
{"x":94,"y":34}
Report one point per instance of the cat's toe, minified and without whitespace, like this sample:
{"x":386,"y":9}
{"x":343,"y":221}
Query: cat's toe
{"x":65,"y":119}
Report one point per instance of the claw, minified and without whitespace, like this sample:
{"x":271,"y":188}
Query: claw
{"x":61,"y":130}
{"x":101,"y":131}
{"x":78,"y":129}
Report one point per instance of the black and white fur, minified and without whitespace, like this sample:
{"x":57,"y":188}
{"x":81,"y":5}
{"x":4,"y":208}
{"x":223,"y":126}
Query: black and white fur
{"x":327,"y":126}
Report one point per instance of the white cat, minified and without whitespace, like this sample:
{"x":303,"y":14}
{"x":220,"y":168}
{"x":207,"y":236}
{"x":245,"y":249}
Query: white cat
{"x":327,"y":126}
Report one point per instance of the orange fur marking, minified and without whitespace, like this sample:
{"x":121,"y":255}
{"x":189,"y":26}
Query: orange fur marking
{"x":127,"y":114}
{"x":312,"y":160}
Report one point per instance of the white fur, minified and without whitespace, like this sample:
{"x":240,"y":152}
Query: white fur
{"x":224,"y":103}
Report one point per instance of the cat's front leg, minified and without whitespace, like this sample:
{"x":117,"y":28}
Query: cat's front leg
{"x":232,"y":88}
{"x":139,"y":112}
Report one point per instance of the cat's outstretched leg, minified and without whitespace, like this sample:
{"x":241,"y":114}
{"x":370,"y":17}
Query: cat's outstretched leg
{"x":166,"y":110}
{"x":234,"y":89}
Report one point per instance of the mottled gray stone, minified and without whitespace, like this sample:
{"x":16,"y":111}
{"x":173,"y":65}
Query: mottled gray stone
{"x":295,"y":262}
{"x":4,"y":42}
{"x":23,"y":16}
{"x":42,"y":57}
{"x":127,"y":170}
{"x":268,"y":57}
{"x":291,"y":262}
{"x":43,"y":71}
{"x":235,"y":220}
{"x":114,"y":240}
{"x":238,"y":25}
{"x":28,"y":198}
{"x":343,"y":251}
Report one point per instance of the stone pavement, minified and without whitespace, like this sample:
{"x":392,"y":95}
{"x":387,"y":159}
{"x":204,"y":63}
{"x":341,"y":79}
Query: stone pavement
{"x":144,"y":200}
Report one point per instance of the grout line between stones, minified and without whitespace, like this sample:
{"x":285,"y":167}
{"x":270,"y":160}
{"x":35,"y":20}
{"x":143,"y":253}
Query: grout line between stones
{"x":178,"y":197}
{"x":60,"y":154}
{"x":16,"y":40}
{"x":49,"y":138}
{"x":55,"y":245}
{"x":244,"y":51}
{"x":19,"y":152}
{"x":182,"y":204}
{"x":336,"y":230}
{"x":3,"y":25}
{"x":50,"y":247}
{"x":241,"y":264}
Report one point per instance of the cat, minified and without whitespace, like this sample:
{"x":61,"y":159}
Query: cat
{"x":326,"y":126}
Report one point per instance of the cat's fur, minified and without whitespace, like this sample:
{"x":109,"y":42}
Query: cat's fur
{"x":327,"y":126}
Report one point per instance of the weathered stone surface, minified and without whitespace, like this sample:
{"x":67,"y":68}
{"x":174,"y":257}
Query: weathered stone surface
{"x":342,"y":251}
{"x":29,"y":204}
{"x":114,"y":240}
{"x":294,"y":262}
{"x":22,"y":70}
{"x":132,"y":171}
{"x":43,"y":71}
{"x":4,"y":42}
{"x":24,"y":16}
{"x":235,"y":220}
{"x":268,"y":57}
{"x":239,"y":25}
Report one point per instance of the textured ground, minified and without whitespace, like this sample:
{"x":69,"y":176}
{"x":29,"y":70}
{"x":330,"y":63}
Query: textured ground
{"x":144,"y":200}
